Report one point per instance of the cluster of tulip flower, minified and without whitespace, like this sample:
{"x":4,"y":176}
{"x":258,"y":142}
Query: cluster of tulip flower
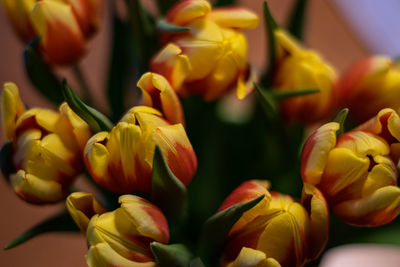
{"x":147,"y":155}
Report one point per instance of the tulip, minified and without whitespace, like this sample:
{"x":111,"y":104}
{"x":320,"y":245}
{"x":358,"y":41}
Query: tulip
{"x":298,"y":68}
{"x":211,"y":57}
{"x":158,"y":93}
{"x":122,"y":237}
{"x":277,"y":230}
{"x":64,"y":26}
{"x":369,"y":86}
{"x":47,"y":147}
{"x":357,"y":171}
{"x":121,"y":160}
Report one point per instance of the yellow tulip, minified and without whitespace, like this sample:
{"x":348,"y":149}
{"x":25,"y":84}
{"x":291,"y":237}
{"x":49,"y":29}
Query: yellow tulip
{"x":158,"y":93}
{"x":298,"y":68}
{"x":357,"y":171}
{"x":122,"y":237}
{"x":64,"y":26}
{"x":47,"y":147}
{"x":211,"y":57}
{"x":369,"y":86}
{"x":278,"y":231}
{"x":121,"y":160}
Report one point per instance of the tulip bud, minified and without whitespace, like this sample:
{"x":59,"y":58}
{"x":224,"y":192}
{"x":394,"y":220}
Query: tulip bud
{"x":278,"y":230}
{"x":357,"y":171}
{"x":211,"y":57}
{"x":369,"y":86}
{"x":122,"y":237}
{"x":298,"y":68}
{"x":64,"y":26}
{"x":121,"y":160}
{"x":47,"y":147}
{"x":158,"y":93}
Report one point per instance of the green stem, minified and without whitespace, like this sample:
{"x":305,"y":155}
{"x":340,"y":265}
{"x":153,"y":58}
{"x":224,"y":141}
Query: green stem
{"x":80,"y":78}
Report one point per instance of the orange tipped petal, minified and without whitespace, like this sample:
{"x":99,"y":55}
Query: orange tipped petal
{"x":315,"y":152}
{"x":234,"y":17}
{"x":187,"y":11}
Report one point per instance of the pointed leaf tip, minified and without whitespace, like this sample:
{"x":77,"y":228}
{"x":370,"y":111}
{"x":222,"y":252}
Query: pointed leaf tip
{"x":174,"y":255}
{"x":164,"y":26}
{"x":341,"y":118}
{"x":168,"y":192}
{"x":267,"y":101}
{"x":281,"y":95}
{"x":297,"y":19}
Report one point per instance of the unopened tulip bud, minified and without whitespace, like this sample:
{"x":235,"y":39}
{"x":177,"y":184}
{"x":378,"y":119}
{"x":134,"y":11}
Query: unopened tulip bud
{"x":357,"y":171}
{"x":278,"y":231}
{"x":211,"y":57}
{"x":47,"y":147}
{"x":121,"y":160}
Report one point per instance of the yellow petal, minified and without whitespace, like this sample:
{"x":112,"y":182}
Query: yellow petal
{"x":379,"y":208}
{"x":363,"y":144}
{"x":102,"y":255}
{"x":18,"y":12}
{"x":11,"y":109}
{"x":82,"y":206}
{"x":187,"y":11}
{"x":96,"y":157}
{"x":45,"y":118}
{"x":234,"y":17}
{"x":315,"y":152}
{"x":253,"y":258}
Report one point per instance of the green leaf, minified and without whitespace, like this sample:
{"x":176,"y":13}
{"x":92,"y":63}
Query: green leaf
{"x":168,"y":192}
{"x":267,"y":101}
{"x":297,"y":19}
{"x":341,"y":118}
{"x":40,"y":73}
{"x":164,"y":26}
{"x":281,"y":95}
{"x":216,"y":229}
{"x":196,"y":263}
{"x":6,"y":160}
{"x":165,"y":5}
{"x":270,"y":26}
{"x":96,"y":120}
{"x":224,"y":2}
{"x":61,"y":222}
{"x":175,"y":255}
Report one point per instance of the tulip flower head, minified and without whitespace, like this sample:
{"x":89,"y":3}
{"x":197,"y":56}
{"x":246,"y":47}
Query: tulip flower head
{"x":278,"y":231}
{"x":298,"y":68}
{"x":121,"y":237}
{"x":47,"y":147}
{"x":369,"y":86}
{"x":63,"y":26}
{"x":357,"y":171}
{"x":211,"y":57}
{"x":121,"y":160}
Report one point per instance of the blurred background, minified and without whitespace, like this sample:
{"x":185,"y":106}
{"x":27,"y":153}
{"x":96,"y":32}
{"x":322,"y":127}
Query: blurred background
{"x":342,"y":31}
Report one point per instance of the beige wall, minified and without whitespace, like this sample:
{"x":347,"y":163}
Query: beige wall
{"x":326,"y":32}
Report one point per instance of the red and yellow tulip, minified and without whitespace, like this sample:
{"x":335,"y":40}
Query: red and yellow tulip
{"x":121,"y":237}
{"x":211,"y":57}
{"x":158,"y":93}
{"x":47,"y":147}
{"x":121,"y":160}
{"x":64,"y":26}
{"x":298,"y":68}
{"x":357,"y":171}
{"x":278,"y":230}
{"x":369,"y":86}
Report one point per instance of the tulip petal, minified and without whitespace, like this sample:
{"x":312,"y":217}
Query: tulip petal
{"x":315,"y":152}
{"x":172,"y":64}
{"x":363,"y":144}
{"x":177,"y":150}
{"x":87,"y":13}
{"x":11,"y":109}
{"x":102,"y":255}
{"x":62,"y":38}
{"x":187,"y":11}
{"x":379,"y":208}
{"x":147,"y":218}
{"x":253,"y":258}
{"x":234,"y":17}
{"x":82,"y":206}
{"x":36,"y":190}
{"x":319,"y":219}
{"x":38,"y":117}
{"x":18,"y":13}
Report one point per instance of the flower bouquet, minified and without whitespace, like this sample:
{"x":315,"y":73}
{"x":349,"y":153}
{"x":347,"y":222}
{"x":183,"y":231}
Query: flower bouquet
{"x":207,"y":161}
